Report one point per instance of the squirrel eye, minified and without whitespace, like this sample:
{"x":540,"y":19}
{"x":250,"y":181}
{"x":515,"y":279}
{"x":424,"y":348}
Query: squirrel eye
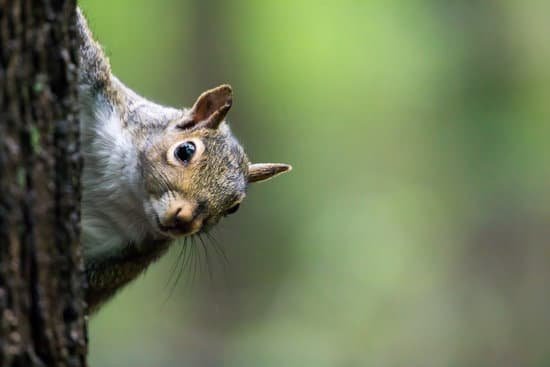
{"x":184,"y":152}
{"x":233,"y":209}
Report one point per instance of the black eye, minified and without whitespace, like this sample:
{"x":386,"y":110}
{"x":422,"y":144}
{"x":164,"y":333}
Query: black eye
{"x":233,"y":209}
{"x":184,"y":152}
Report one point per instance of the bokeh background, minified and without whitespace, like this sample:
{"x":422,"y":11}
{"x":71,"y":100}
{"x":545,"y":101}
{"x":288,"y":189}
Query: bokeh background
{"x":415,"y":227}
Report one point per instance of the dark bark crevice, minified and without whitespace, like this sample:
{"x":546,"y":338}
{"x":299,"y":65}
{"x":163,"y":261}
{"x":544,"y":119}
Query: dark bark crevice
{"x":41,"y":273}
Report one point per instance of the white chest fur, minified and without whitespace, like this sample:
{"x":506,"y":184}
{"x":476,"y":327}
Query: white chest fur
{"x":112,"y":194}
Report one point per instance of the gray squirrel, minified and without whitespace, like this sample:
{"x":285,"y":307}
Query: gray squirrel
{"x":151,"y":174}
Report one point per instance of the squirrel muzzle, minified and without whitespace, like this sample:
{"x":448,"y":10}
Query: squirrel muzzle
{"x":182,"y":217}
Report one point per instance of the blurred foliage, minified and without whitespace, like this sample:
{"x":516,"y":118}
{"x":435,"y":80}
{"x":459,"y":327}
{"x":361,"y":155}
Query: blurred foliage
{"x":414,"y":229}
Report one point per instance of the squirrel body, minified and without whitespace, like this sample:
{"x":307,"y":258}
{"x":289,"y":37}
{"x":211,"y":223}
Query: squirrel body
{"x":152,"y":174}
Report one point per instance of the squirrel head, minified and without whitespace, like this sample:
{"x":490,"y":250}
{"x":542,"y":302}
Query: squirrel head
{"x":195,"y":172}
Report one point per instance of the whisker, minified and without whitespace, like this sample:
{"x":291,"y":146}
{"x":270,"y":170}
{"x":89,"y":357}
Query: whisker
{"x":187,"y":260}
{"x":175,"y":264}
{"x":219,"y":249}
{"x":194,"y":260}
{"x":181,"y":267}
{"x":223,"y":259}
{"x":208,"y":265}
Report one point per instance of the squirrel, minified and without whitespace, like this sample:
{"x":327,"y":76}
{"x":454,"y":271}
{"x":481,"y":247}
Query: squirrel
{"x":152,"y":174}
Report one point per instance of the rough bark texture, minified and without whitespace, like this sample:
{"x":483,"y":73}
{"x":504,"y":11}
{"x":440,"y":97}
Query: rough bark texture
{"x":41,"y":309}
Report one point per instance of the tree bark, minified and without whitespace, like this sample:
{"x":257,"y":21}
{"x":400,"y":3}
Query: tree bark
{"x":41,"y":273}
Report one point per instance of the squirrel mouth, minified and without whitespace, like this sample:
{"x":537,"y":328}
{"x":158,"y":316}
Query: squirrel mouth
{"x":179,"y":230}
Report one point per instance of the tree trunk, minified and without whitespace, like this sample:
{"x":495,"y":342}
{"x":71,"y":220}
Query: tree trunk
{"x":41,"y":273}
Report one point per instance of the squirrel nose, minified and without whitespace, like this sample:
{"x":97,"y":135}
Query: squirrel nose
{"x":182,"y":216}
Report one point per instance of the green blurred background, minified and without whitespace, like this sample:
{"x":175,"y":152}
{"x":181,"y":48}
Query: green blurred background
{"x":415,"y":227}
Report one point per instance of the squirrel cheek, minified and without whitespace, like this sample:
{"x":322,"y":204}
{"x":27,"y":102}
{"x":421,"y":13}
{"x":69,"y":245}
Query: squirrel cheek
{"x":158,"y":205}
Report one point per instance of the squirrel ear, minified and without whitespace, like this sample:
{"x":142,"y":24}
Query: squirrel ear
{"x":258,"y":172}
{"x":211,"y":107}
